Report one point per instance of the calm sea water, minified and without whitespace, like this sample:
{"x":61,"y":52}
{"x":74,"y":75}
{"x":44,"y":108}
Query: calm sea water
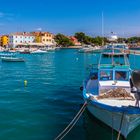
{"x":51,"y":99}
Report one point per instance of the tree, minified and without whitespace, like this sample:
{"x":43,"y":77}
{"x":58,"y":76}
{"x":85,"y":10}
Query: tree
{"x":80,"y":36}
{"x":63,"y":40}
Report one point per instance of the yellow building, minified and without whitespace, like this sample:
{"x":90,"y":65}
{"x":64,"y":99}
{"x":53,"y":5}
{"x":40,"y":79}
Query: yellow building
{"x":4,"y":40}
{"x":47,"y":38}
{"x":37,"y":36}
{"x":44,"y":37}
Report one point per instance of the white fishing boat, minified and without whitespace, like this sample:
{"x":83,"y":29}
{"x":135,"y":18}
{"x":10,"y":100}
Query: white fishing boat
{"x":50,"y":48}
{"x":109,"y":96}
{"x":6,"y":54}
{"x":90,"y":49}
{"x":39,"y":51}
{"x":12,"y":59}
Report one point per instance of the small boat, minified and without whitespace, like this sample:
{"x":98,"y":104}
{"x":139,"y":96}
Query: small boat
{"x":12,"y":59}
{"x":90,"y":49}
{"x":50,"y":48}
{"x":25,"y":52}
{"x":109,"y":95}
{"x":85,"y":48}
{"x":6,"y":54}
{"x":39,"y":52}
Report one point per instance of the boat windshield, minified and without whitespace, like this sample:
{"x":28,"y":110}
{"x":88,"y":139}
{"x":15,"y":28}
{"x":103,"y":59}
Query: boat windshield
{"x":106,"y":75}
{"x":121,"y":75}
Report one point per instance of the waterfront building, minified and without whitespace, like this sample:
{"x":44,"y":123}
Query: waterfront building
{"x":21,"y":39}
{"x":4,"y":40}
{"x":45,"y":38}
{"x":37,"y":36}
{"x":75,"y":41}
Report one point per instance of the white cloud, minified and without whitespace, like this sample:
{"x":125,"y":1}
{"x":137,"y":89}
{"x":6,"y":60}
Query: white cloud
{"x":39,"y":29}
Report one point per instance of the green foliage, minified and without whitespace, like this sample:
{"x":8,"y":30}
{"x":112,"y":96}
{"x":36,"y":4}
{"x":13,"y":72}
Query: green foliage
{"x":133,"y":39}
{"x":81,"y":37}
{"x":84,"y":39}
{"x":63,"y":41}
{"x":122,"y":40}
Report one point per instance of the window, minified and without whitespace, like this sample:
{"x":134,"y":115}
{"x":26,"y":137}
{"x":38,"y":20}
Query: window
{"x":121,"y":75}
{"x":106,"y":75}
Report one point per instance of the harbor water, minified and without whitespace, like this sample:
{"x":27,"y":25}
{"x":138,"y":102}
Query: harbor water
{"x":43,"y":107}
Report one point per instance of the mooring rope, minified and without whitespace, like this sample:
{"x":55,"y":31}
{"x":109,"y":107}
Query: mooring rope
{"x":112,"y":126}
{"x":120,"y":126}
{"x":72,"y":123}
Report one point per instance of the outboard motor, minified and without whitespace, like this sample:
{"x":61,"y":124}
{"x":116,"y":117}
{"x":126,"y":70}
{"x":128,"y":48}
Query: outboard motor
{"x":136,"y":83}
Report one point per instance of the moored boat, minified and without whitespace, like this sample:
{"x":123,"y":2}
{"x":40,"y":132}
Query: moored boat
{"x":12,"y":59}
{"x":90,"y":49}
{"x":39,"y":52}
{"x":25,"y":52}
{"x":108,"y":93}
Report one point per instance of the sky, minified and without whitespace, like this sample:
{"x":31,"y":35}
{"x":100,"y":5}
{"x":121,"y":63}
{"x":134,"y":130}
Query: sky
{"x":69,"y":16}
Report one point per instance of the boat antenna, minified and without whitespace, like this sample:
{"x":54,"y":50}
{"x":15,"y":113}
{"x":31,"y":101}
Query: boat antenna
{"x":102,"y":29}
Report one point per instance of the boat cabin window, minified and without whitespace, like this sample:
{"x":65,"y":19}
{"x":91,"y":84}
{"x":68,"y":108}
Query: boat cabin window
{"x":106,"y":75}
{"x":121,"y":75}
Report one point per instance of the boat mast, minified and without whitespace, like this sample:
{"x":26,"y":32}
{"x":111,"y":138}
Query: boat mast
{"x":102,"y":29}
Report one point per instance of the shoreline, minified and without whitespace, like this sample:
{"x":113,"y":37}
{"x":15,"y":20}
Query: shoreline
{"x":72,"y":47}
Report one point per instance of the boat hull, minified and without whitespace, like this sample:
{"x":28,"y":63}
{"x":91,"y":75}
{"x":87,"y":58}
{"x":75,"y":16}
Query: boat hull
{"x":12,"y":60}
{"x":113,"y":119}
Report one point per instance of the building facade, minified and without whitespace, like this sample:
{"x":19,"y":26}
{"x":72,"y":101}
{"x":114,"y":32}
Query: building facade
{"x":75,"y":41}
{"x":45,"y":38}
{"x":21,"y":39}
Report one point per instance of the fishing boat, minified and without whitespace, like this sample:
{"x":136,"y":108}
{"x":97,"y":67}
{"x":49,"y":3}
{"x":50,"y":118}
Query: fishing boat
{"x":109,"y":95}
{"x":12,"y":59}
{"x":25,"y":52}
{"x":89,"y":49}
{"x":39,"y":52}
{"x":6,"y":54}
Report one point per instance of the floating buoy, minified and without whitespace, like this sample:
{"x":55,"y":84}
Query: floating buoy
{"x":25,"y":82}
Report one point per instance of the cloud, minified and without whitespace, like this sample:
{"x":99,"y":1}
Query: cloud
{"x":39,"y":29}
